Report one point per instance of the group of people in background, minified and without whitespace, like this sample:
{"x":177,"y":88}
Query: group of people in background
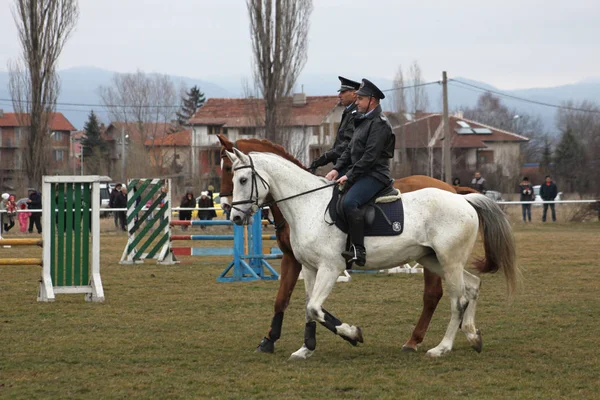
{"x":548,"y":192}
{"x":27,"y":220}
{"x":205,"y":203}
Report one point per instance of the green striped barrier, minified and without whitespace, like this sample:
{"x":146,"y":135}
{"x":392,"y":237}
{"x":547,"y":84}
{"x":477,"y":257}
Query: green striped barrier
{"x":71,"y":232}
{"x":148,"y":222}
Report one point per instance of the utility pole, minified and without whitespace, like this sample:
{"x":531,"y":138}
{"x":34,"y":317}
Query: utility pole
{"x":446,"y":146}
{"x":123,"y":153}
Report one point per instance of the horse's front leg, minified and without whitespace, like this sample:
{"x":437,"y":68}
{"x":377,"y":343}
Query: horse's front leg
{"x":325,"y":280}
{"x":432,"y":294}
{"x":310,"y":329}
{"x":290,"y":269}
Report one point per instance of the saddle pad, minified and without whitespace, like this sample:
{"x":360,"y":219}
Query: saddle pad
{"x":388,"y":220}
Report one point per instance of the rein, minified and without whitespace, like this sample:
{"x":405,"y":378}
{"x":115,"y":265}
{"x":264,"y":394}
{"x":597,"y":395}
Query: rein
{"x":255,"y":205}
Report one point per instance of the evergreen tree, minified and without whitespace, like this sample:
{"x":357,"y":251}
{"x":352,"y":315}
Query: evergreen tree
{"x":194,"y":100}
{"x":569,"y":161}
{"x":546,"y":160}
{"x":93,"y":146}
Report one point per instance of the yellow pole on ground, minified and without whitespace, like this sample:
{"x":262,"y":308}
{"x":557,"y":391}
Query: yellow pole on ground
{"x":21,"y":261}
{"x":21,"y":242}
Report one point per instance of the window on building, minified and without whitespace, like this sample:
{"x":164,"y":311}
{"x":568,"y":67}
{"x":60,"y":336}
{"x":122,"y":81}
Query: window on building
{"x":216,"y":157}
{"x":57,"y":136}
{"x":326,"y":130}
{"x":336,"y":128}
{"x":485,"y":157}
{"x":216,"y":130}
{"x":248,"y":131}
{"x":59,"y":155}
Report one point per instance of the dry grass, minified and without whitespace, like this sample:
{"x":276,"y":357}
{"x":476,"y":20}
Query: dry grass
{"x":173,"y":332}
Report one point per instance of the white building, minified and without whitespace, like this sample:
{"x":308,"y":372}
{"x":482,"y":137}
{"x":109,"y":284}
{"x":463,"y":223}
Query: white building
{"x":312,"y":127}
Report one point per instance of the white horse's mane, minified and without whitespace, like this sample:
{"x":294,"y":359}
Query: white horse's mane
{"x":258,"y":153}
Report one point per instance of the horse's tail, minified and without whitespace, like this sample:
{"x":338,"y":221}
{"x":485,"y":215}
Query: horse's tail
{"x":498,"y":241}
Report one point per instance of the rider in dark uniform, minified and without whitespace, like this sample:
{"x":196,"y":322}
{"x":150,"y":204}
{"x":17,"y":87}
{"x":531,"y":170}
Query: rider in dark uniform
{"x":367,"y":160}
{"x":347,"y":96}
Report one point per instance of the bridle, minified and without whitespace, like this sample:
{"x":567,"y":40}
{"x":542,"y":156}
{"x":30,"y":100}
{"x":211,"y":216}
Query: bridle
{"x":254,"y":189}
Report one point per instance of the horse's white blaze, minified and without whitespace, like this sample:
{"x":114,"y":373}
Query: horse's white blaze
{"x":440,"y":229}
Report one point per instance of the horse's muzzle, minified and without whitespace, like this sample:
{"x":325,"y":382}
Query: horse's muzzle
{"x":238,"y":220}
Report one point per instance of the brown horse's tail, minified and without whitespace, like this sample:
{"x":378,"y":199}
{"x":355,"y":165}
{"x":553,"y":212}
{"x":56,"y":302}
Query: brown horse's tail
{"x":498,"y":241}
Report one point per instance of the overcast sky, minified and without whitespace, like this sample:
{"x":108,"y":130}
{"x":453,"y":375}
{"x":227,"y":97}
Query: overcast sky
{"x":510,"y":44}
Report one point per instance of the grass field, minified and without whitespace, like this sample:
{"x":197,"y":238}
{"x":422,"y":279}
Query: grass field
{"x":173,"y":332}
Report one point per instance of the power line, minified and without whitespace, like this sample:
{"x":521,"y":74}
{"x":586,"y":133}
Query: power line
{"x":104,"y":105}
{"x":412,"y":86}
{"x":541,"y":103}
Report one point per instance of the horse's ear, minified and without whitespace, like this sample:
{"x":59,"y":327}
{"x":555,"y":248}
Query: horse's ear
{"x":231,"y":156}
{"x":241,"y":156}
{"x":225,"y":142}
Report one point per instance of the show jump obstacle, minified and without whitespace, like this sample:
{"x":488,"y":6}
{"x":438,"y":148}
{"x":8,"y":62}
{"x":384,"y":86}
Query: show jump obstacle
{"x":71,"y":222}
{"x":149,"y":226}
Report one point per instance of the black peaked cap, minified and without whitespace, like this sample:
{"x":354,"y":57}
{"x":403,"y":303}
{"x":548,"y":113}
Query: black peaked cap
{"x":347,"y":84}
{"x":368,"y":88}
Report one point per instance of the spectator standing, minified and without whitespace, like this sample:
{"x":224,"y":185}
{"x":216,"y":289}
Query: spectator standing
{"x":203,"y":203}
{"x":456,"y":182}
{"x":478,"y":183}
{"x":111,"y":202}
{"x":548,"y":192}
{"x":526,"y":191}
{"x":11,"y":213}
{"x":3,"y":215}
{"x":188,"y":201}
{"x":121,"y":202}
{"x":210,"y":191}
{"x":23,"y":218}
{"x":35,"y":203}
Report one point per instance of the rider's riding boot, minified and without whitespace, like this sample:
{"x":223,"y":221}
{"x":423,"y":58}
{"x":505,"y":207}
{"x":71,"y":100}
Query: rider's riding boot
{"x":356,"y":226}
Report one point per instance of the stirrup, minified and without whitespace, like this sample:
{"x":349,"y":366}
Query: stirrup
{"x":353,"y":256}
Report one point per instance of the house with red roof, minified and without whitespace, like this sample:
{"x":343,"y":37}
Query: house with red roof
{"x":174,"y":152}
{"x":475,"y":146}
{"x":128,"y":139}
{"x":14,"y":131}
{"x":310,"y":127}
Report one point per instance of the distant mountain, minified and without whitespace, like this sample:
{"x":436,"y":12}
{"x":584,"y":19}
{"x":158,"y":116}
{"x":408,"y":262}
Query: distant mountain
{"x":79,"y":86}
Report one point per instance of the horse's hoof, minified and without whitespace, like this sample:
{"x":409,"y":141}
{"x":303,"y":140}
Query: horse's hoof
{"x":476,"y":341}
{"x":301,"y":354}
{"x":266,"y":346}
{"x":408,"y":349}
{"x":359,"y":335}
{"x":437,"y":352}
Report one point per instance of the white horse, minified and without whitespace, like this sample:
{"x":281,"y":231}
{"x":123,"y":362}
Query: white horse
{"x":440,"y":230}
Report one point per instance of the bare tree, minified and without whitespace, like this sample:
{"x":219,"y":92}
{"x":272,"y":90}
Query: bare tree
{"x":418,"y":98}
{"x":585,"y":126}
{"x":489,"y":110}
{"x":279,"y":30}
{"x":148,"y":102}
{"x":399,"y":106}
{"x":44,"y":27}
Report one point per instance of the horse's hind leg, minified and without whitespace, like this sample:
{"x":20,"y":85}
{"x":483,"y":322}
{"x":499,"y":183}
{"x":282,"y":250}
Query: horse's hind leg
{"x":453,"y":274}
{"x":432,"y":294}
{"x":290,"y":269}
{"x":310,"y":338}
{"x":472,"y":285}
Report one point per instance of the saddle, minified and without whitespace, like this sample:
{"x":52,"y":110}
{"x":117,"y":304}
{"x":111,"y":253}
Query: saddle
{"x":383,"y":214}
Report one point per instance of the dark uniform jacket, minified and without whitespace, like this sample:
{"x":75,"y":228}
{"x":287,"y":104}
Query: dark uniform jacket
{"x":370,"y":149}
{"x":344,"y":135}
{"x":548,"y":192}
